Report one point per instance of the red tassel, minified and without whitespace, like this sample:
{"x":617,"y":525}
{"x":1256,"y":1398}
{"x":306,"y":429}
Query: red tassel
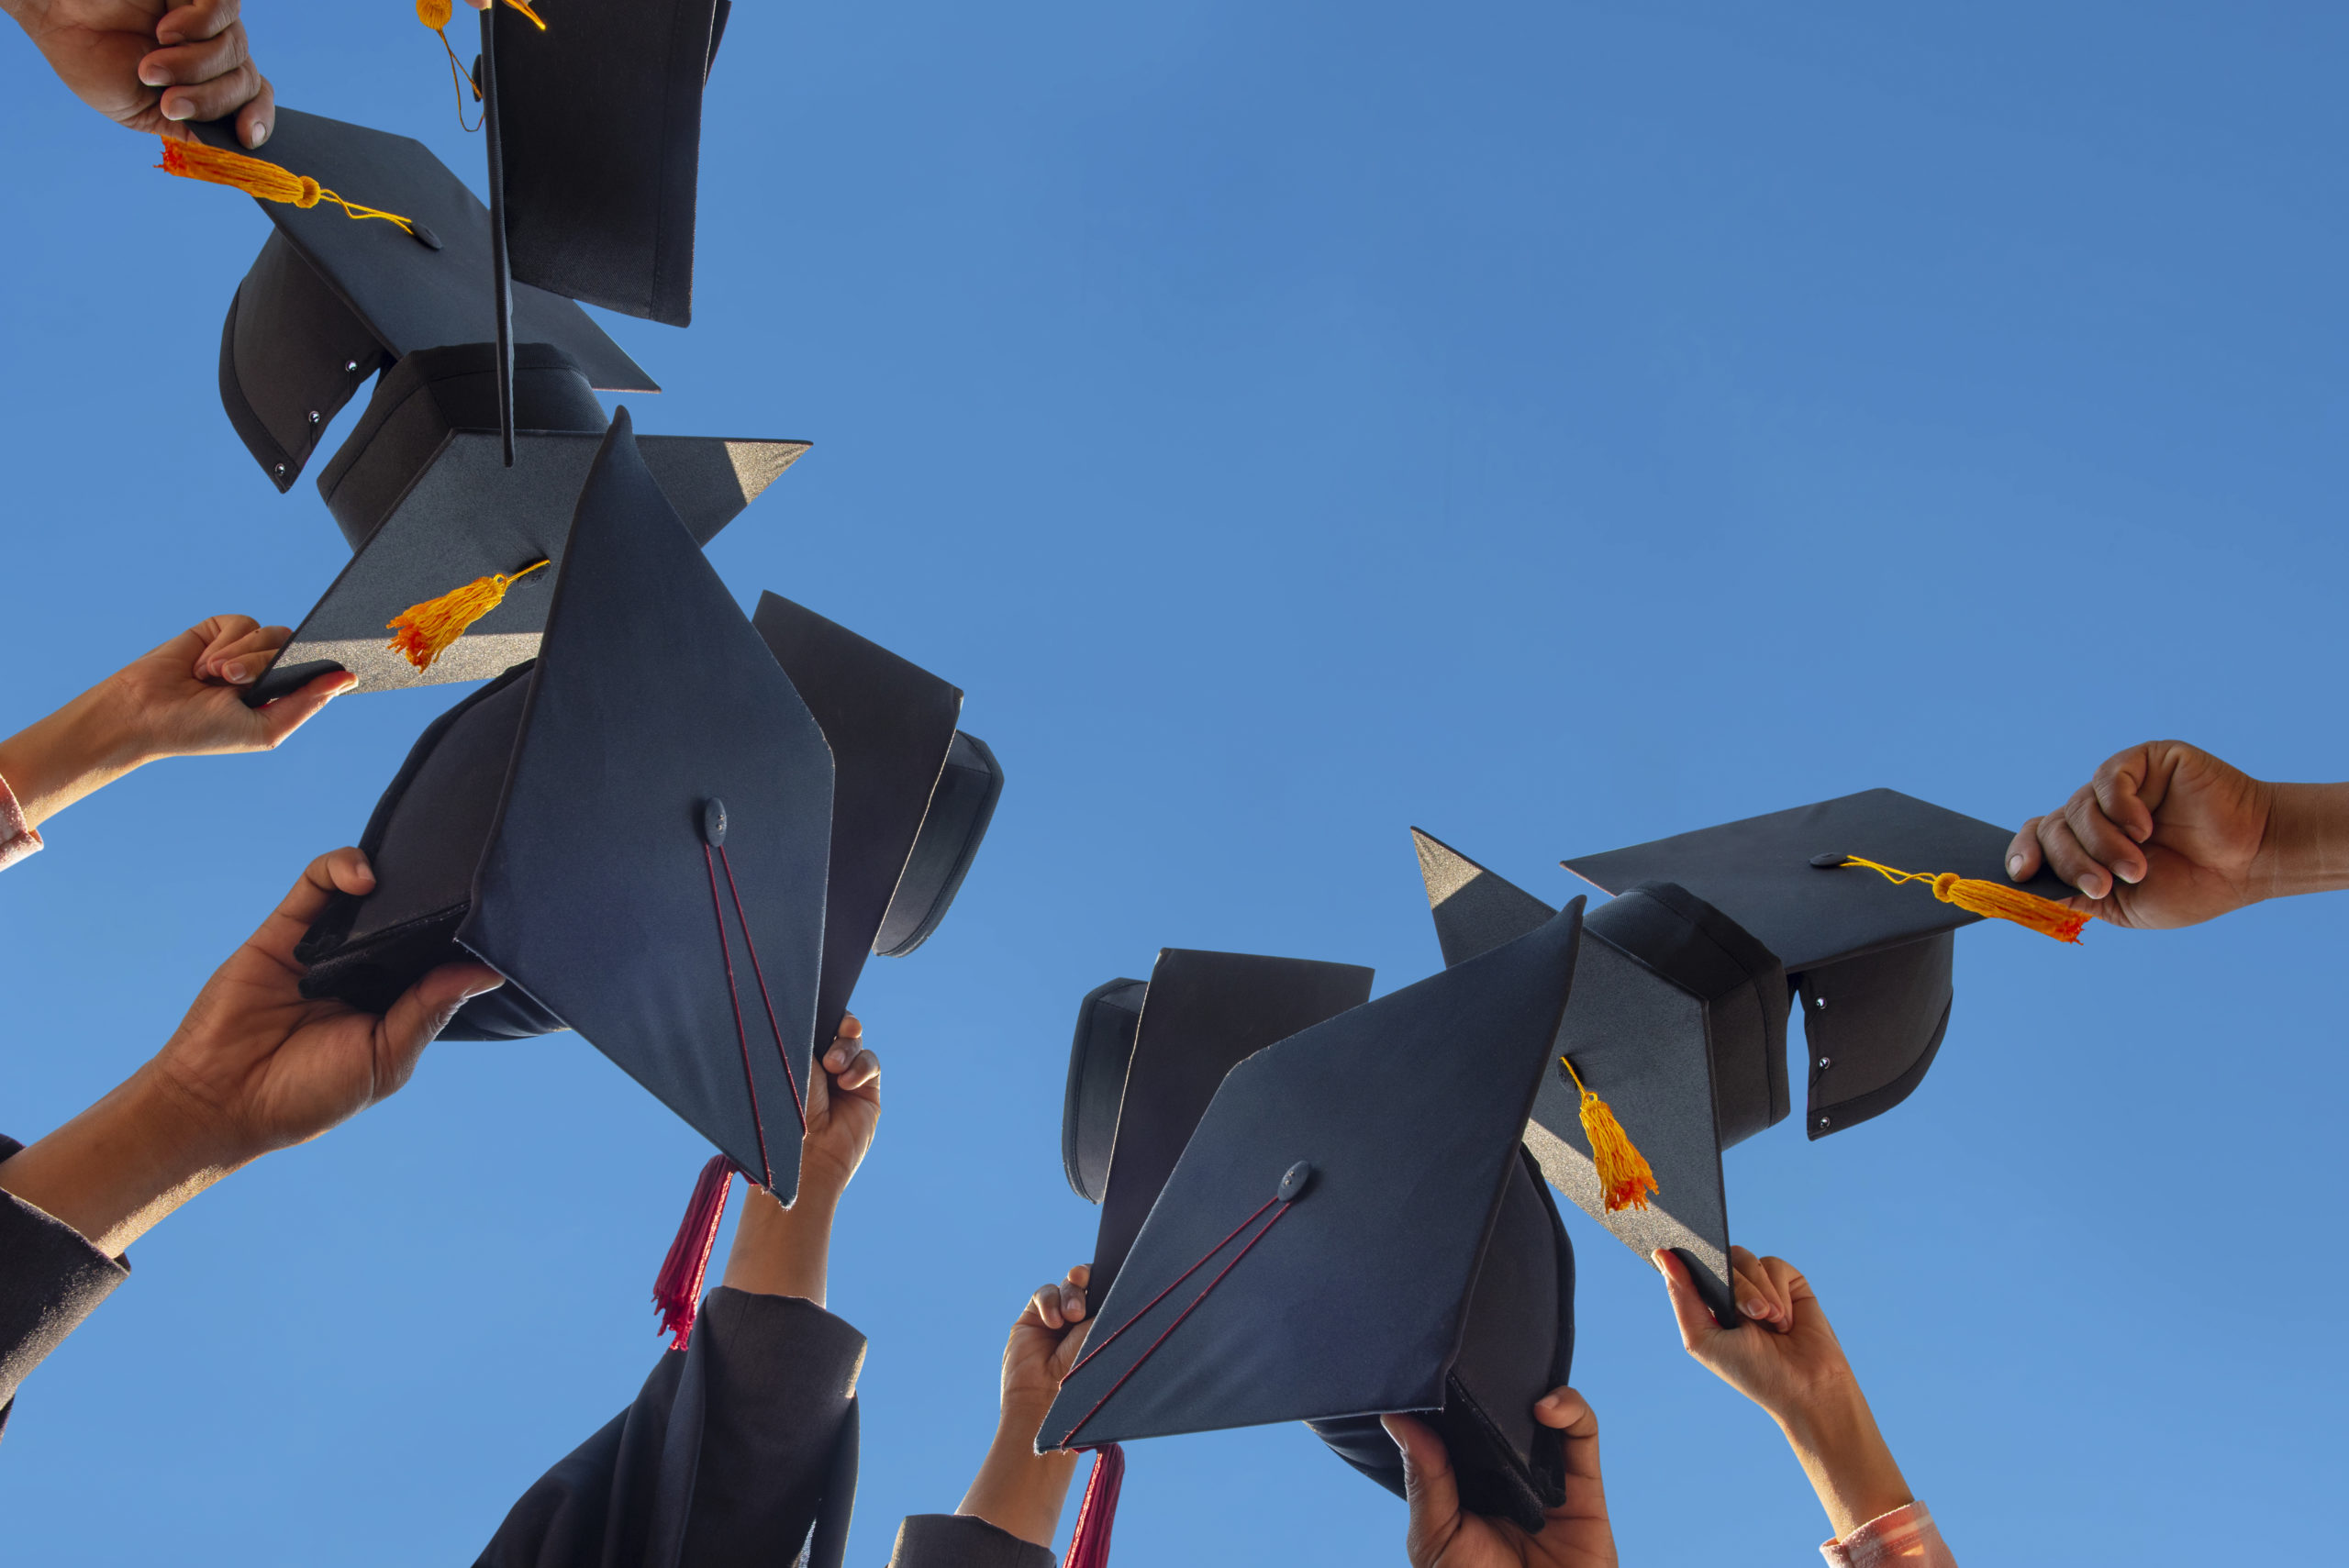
{"x":1089,"y":1547}
{"x":676,"y":1290}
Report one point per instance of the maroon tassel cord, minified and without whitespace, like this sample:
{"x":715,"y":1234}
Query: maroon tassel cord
{"x":1089,"y":1547}
{"x":676,"y":1290}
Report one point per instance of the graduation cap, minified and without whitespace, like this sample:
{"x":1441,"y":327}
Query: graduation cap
{"x":911,"y":795}
{"x":598,"y":116}
{"x":447,"y":543}
{"x":593,"y":121}
{"x":1148,"y":1057}
{"x":1353,"y":1230}
{"x":1860,"y":897}
{"x":1673,"y":1048}
{"x":634,"y":829}
{"x":333,"y":298}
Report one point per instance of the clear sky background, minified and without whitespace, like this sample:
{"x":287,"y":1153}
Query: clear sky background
{"x":1554,"y":425}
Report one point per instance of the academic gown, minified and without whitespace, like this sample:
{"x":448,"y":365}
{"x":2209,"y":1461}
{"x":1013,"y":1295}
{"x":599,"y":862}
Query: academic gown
{"x":958,"y":1540}
{"x":727,"y":1457}
{"x":51,"y":1278}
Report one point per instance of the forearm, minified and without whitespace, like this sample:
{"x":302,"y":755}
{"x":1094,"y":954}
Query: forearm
{"x":119,"y":1167}
{"x":1850,"y":1466}
{"x":2305,"y":847}
{"x":1017,"y":1489}
{"x":79,"y":748}
{"x":783,"y":1252}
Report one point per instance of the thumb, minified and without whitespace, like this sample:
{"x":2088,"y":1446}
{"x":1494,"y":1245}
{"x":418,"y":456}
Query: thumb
{"x":288,"y":714}
{"x":1429,"y":1486}
{"x":1689,"y":1308}
{"x":423,"y":1010}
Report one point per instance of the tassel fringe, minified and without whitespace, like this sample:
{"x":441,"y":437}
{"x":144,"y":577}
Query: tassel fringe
{"x":257,"y":177}
{"x":1089,"y":1547}
{"x":676,"y":1289}
{"x":2044,"y":916}
{"x":1623,"y":1175}
{"x":425,"y":631}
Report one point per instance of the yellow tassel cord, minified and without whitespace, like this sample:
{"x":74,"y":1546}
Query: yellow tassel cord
{"x":2044,"y":916}
{"x":1624,"y":1173}
{"x":219,"y":166}
{"x":435,"y":14}
{"x":426,"y":630}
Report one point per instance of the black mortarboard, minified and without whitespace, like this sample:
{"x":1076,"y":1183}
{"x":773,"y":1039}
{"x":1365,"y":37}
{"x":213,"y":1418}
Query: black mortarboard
{"x":1678,"y":1022}
{"x":598,"y":119}
{"x":1354,"y":1230}
{"x":891,"y":727}
{"x":593,"y":126}
{"x":331,"y":300}
{"x":1871,"y":959}
{"x":633,"y":830}
{"x":421,"y":493}
{"x":1148,"y":1056}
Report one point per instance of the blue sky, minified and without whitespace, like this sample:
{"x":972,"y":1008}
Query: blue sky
{"x":1552,"y":425}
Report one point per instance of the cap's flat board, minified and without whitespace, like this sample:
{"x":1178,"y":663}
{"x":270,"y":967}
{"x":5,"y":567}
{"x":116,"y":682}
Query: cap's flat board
{"x":1204,"y":1011}
{"x":1410,"y":1109}
{"x":408,"y":294}
{"x":469,"y":515}
{"x":1639,"y":1042}
{"x":652,"y":696}
{"x":599,"y":117}
{"x":1758,"y":872}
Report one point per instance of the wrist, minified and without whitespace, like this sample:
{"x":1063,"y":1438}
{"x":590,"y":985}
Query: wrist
{"x":56,"y":760}
{"x":123,"y":1164}
{"x":2305,"y":846}
{"x":1835,"y":1437}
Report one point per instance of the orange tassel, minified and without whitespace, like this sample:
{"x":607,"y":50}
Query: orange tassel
{"x":2044,"y":916}
{"x":435,"y":14}
{"x":219,"y":166}
{"x":1624,"y":1173}
{"x":426,"y":630}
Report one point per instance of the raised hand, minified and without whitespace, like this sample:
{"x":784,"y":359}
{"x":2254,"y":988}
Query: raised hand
{"x":1017,"y":1489}
{"x":151,"y":66}
{"x":1575,"y":1534}
{"x":178,"y":700}
{"x":843,"y":1112}
{"x":253,"y":1067}
{"x":1788,"y":1360}
{"x":2163,"y":835}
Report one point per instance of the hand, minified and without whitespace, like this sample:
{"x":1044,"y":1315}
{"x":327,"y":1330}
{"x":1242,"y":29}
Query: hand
{"x":787,"y":1251}
{"x":179,"y":700}
{"x":1044,"y":1344}
{"x":1018,"y":1490}
{"x":1577,"y":1534}
{"x":253,"y":1067}
{"x":843,"y":1112}
{"x":1796,"y":1366}
{"x":2182,"y":832}
{"x":1788,"y":1361}
{"x":267,"y":1069}
{"x":149,"y":66}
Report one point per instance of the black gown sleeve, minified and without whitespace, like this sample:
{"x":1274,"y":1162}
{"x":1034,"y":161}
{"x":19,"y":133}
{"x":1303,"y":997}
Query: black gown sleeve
{"x":51,"y":1278}
{"x":724,"y":1458}
{"x":959,"y":1541}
